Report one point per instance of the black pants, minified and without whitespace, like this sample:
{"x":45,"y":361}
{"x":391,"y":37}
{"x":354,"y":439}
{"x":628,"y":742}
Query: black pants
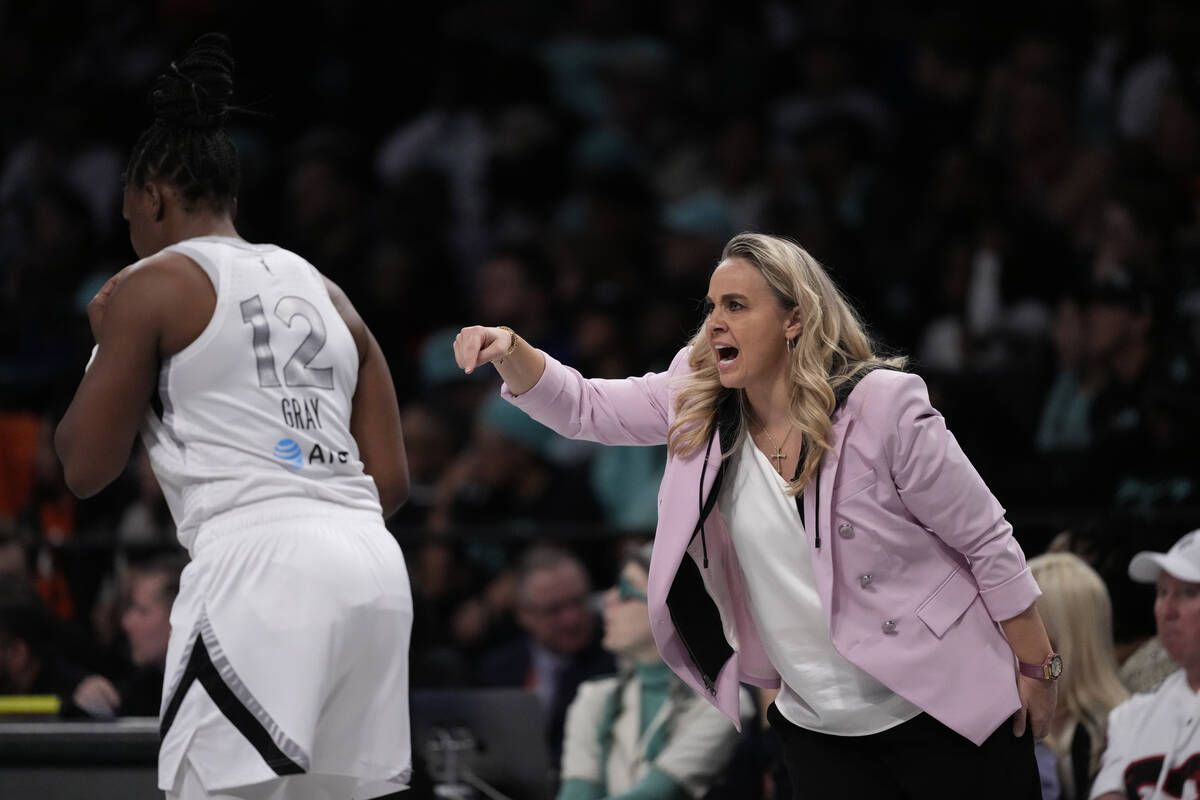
{"x":921,"y":759}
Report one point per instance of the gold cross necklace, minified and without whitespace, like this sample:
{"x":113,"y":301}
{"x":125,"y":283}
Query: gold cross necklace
{"x":779,"y":455}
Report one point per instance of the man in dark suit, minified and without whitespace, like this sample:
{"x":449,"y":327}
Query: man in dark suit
{"x":561,"y":648}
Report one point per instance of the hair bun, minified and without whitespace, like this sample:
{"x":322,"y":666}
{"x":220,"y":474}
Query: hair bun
{"x":196,"y":91}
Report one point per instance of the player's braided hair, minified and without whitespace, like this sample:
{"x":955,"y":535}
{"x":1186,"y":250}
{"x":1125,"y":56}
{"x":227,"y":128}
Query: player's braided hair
{"x":187,"y":145}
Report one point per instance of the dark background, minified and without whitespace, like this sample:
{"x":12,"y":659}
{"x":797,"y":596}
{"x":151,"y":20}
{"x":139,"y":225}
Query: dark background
{"x":1007,"y":191}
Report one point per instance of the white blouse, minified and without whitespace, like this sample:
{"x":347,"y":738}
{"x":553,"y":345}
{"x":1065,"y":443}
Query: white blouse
{"x":821,"y":691}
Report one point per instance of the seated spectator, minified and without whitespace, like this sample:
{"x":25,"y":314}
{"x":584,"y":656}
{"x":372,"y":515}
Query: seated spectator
{"x":642,"y":733}
{"x":561,"y":646}
{"x":430,"y":441}
{"x":1078,"y":615}
{"x":1064,"y":422}
{"x":506,"y":476}
{"x":1108,"y":544}
{"x":29,"y":660}
{"x":151,"y":588}
{"x":1120,"y":322}
{"x":1154,"y":739}
{"x":458,"y":613}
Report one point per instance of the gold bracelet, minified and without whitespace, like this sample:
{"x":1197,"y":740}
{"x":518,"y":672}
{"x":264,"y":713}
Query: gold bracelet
{"x":513,"y":341}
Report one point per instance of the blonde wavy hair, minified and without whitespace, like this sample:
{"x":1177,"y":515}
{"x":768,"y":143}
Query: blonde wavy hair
{"x":1077,"y":612}
{"x":831,"y":349}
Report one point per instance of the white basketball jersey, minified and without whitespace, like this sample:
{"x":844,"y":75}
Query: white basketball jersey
{"x":257,"y":408}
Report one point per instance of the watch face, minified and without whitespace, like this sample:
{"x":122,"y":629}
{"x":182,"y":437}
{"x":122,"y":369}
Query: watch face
{"x":1055,"y":666}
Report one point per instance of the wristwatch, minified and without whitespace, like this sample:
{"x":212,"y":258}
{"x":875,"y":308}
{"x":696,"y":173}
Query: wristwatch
{"x":1049,"y":670}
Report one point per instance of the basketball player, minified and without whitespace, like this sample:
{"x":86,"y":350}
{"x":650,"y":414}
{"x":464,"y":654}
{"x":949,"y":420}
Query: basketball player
{"x":271,"y":421}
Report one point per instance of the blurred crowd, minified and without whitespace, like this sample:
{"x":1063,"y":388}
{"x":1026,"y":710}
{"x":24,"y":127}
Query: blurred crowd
{"x":1008,"y":192}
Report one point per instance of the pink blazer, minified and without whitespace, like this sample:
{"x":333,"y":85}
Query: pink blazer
{"x":916,"y":562}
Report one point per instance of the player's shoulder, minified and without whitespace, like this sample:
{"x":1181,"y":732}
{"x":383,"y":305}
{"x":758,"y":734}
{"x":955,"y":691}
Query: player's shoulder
{"x":166,"y":295}
{"x":165,"y":271}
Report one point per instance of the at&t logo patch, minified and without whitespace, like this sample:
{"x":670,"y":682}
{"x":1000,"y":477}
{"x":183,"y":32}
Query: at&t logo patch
{"x":287,"y":451}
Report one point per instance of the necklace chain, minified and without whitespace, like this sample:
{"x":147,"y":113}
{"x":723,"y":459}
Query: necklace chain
{"x":779,"y":455}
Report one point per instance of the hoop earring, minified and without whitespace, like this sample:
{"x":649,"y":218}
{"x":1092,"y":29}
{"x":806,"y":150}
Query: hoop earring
{"x":791,"y":343}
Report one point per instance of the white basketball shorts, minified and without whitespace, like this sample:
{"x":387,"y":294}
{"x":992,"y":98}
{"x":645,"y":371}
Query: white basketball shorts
{"x":289,"y":651}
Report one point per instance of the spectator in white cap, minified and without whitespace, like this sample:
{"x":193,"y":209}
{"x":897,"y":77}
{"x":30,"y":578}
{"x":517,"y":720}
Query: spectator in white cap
{"x":1154,"y":739}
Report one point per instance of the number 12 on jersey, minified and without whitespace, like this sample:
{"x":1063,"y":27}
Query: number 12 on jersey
{"x":296,"y":372}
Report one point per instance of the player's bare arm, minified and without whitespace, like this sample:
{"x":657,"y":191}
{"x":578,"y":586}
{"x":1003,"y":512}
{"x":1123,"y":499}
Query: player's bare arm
{"x":153,"y":309}
{"x":375,"y":412}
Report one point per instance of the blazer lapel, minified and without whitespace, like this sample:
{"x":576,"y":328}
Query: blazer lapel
{"x":842,"y":424}
{"x":823,"y":557}
{"x":829,"y":473}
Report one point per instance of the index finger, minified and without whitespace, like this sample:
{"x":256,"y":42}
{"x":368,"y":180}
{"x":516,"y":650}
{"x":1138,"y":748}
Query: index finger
{"x":1019,"y":721}
{"x":464,"y":353}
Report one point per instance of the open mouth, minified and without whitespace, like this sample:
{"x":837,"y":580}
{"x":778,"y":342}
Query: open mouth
{"x":726,"y":355}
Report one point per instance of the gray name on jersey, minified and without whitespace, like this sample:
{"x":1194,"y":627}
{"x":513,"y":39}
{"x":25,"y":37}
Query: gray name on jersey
{"x":302,"y":414}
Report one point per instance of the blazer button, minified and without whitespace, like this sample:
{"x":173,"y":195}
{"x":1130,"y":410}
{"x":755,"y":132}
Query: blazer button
{"x":866,"y":580}
{"x":889,"y":626}
{"x":846,"y":530}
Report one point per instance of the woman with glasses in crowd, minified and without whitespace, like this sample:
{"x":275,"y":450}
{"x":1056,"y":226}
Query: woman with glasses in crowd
{"x":643,"y":734}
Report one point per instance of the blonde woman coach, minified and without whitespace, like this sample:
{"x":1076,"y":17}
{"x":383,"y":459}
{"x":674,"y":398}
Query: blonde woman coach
{"x":820,"y":530}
